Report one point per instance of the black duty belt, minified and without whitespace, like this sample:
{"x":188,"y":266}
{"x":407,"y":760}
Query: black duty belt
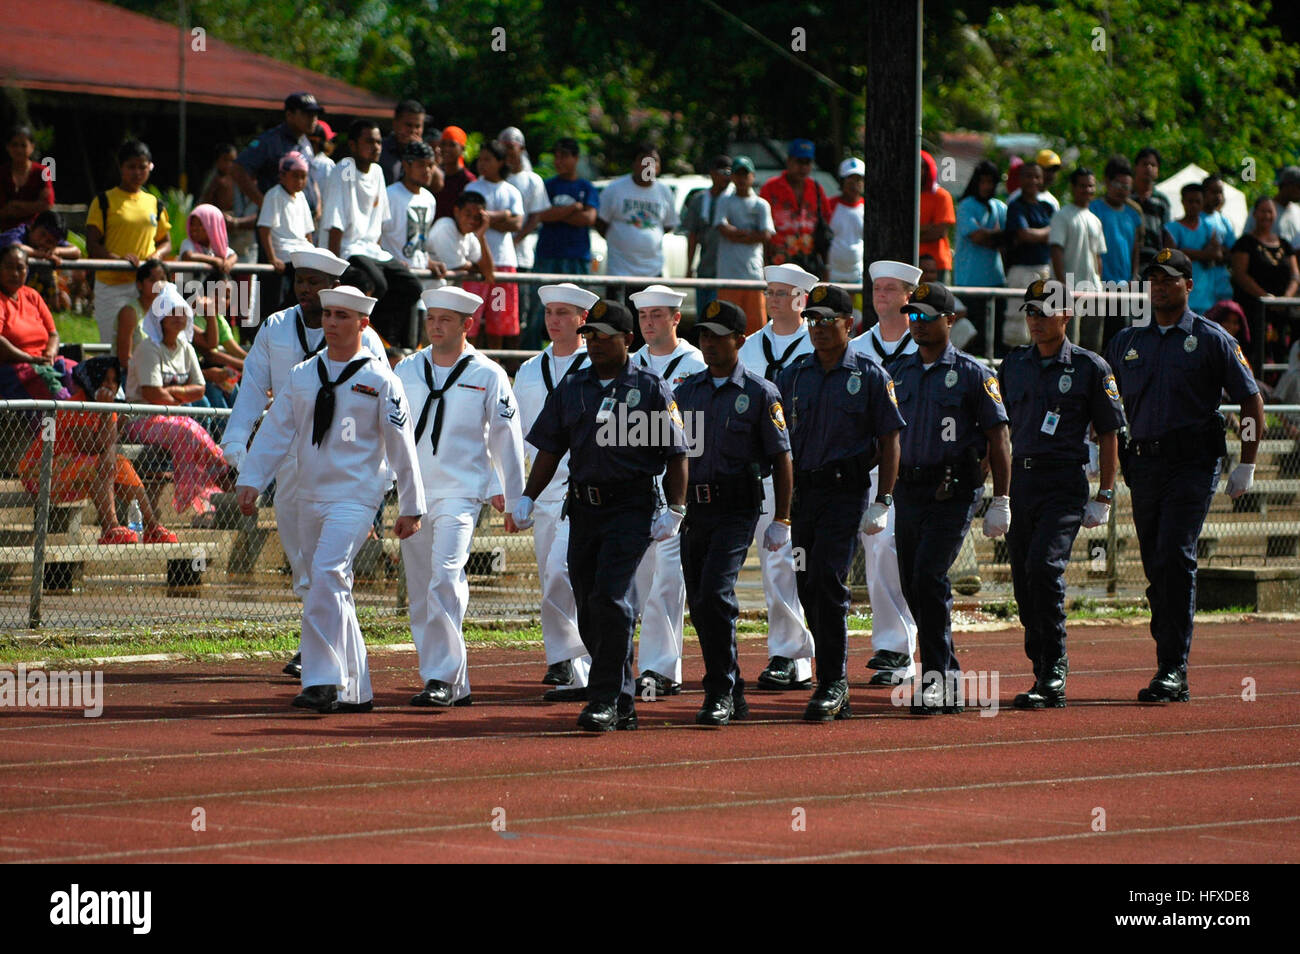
{"x":1200,"y":442}
{"x":602,"y":495}
{"x":1044,"y":463}
{"x":739,"y":493}
{"x":849,"y":473}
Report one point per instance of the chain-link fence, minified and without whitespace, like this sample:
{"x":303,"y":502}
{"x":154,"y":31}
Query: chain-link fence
{"x":70,"y":472}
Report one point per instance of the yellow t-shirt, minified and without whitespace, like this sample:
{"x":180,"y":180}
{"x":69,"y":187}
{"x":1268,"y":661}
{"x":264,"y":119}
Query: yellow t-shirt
{"x":137,"y":222}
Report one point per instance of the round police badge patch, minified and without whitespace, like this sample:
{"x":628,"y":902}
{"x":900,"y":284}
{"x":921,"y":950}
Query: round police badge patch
{"x":633,"y":397}
{"x":854,"y":384}
{"x":950,"y":379}
{"x":1189,"y":343}
{"x":742,"y":404}
{"x":1065,"y":384}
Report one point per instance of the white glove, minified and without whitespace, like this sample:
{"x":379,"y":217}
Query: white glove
{"x":1096,"y":514}
{"x":1094,"y":461}
{"x":666,"y":525}
{"x":997,"y":520}
{"x":874,"y":519}
{"x":1240,"y":480}
{"x":235,"y":454}
{"x":523,"y":513}
{"x":776,"y":535}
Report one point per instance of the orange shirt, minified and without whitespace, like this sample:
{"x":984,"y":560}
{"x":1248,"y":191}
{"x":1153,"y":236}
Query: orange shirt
{"x":937,"y":207}
{"x":25,"y":322}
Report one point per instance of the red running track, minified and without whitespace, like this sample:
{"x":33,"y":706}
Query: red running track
{"x":510,"y":779}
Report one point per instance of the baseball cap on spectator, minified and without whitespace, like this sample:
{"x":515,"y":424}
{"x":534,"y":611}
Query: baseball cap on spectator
{"x":852,"y":167}
{"x":828,"y":301}
{"x":326,"y":132}
{"x":511,"y":135}
{"x":723,"y":318}
{"x":293,"y":160}
{"x":1171,"y":262}
{"x":608,"y":317}
{"x":1047,"y":159}
{"x":930,"y":300}
{"x":417,"y":149}
{"x":722,"y":163}
{"x":303,"y":102}
{"x":801,"y":149}
{"x":742,"y":163}
{"x":1288,"y":175}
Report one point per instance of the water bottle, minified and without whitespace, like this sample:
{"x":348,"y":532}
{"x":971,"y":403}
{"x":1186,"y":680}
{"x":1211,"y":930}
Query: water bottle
{"x":134,"y":521}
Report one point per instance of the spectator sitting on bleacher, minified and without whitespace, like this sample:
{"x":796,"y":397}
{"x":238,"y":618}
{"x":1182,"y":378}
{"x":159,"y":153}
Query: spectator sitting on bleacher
{"x":128,"y":326}
{"x":30,"y":366}
{"x":86,"y":462}
{"x":166,"y":371}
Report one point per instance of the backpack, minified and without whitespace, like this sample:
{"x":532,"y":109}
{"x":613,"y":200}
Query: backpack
{"x":102,"y":198}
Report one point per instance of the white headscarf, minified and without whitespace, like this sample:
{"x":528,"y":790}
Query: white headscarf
{"x":168,"y":300}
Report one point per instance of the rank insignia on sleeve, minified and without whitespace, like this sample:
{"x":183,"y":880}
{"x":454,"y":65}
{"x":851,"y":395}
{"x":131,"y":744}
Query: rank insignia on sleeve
{"x":507,"y":410}
{"x":778,"y":416}
{"x":991,"y":389}
{"x":365,"y":389}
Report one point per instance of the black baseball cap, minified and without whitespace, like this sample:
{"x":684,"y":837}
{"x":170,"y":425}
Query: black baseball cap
{"x":1171,"y":262}
{"x":303,"y":101}
{"x":931,"y":299}
{"x":1046,"y":297}
{"x":723,"y":318}
{"x":828,"y":301}
{"x":721,"y":163}
{"x":608,"y":316}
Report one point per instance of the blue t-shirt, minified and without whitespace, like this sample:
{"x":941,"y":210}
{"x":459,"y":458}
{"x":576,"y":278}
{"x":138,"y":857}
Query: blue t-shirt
{"x":1201,"y":298}
{"x":1219,"y":224}
{"x":977,"y":264}
{"x":1119,"y":227}
{"x":559,"y":239}
{"x":1023,"y":214}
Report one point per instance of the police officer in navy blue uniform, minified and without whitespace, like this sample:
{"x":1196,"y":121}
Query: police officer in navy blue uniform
{"x":843,"y":419}
{"x":1172,"y":372}
{"x":741,"y":435}
{"x":1054,"y":392}
{"x":620,"y":426}
{"x":955,"y":418}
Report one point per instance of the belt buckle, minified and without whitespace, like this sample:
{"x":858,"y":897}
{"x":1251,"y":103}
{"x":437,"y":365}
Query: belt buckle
{"x":703,"y":493}
{"x":1027,"y":463}
{"x":593,"y":496}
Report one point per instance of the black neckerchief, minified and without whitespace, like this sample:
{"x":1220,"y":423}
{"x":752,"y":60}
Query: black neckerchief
{"x":887,"y":357}
{"x":574,"y":365}
{"x":434,"y":395}
{"x":301,"y":328}
{"x":668,"y":371}
{"x":323,"y":415}
{"x":775,"y":364}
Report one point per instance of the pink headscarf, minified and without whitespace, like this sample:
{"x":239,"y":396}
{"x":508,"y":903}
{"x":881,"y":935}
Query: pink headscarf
{"x":929,"y":173}
{"x":214,"y":223}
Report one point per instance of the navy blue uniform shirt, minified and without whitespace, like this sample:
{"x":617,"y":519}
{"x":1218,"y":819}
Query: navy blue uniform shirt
{"x":631,"y":444}
{"x":743,"y":424}
{"x":1175,"y":380}
{"x":836,"y":414}
{"x":1076,"y":386}
{"x":262,"y":156}
{"x":948,"y":408}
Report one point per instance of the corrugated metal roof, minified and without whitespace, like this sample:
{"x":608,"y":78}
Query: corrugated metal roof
{"x":83,"y":46}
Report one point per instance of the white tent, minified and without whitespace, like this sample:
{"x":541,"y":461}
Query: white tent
{"x":1234,"y":200}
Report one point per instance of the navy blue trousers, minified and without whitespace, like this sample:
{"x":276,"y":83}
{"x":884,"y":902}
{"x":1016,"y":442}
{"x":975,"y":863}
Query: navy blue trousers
{"x":928,"y":534}
{"x":824,"y":535}
{"x":714,"y":544}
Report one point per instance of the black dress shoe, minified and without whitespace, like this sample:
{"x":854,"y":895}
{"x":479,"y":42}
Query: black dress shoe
{"x":436,"y":693}
{"x":1048,"y":691}
{"x":717,"y":710}
{"x":935,"y":699}
{"x":888,"y":659}
{"x":323,"y":699}
{"x":366,"y":706}
{"x":739,"y":707}
{"x":650,"y":685}
{"x":558,"y":674}
{"x":829,"y":702}
{"x":567,"y":694}
{"x":779,"y":674}
{"x":1169,"y":685}
{"x":626,"y":721}
{"x":884,"y":677}
{"x":294,"y":666}
{"x":598,"y":717}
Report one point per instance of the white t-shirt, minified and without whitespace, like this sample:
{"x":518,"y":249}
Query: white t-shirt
{"x":357,"y":204}
{"x":455,"y":249}
{"x":846,"y":242}
{"x":289,"y":219}
{"x":1078,"y":231}
{"x":153,"y":365}
{"x":533,"y":190}
{"x":500,"y":196}
{"x":406,"y":231}
{"x":752,"y":213}
{"x":637,"y":216}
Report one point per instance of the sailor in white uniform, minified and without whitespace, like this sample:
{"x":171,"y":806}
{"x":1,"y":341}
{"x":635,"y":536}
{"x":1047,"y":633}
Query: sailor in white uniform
{"x":343,"y":417}
{"x":466,"y":427}
{"x":566,"y":658}
{"x":784,"y":338}
{"x":285,"y":339}
{"x":660,"y":584}
{"x":893,"y":630}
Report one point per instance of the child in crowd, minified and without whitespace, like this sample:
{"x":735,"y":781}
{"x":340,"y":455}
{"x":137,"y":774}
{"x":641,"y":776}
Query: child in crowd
{"x":285,"y":224}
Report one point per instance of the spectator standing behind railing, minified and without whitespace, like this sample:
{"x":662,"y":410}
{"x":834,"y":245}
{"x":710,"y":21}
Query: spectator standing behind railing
{"x":700,"y":223}
{"x":564,"y":242}
{"x":1193,"y":236}
{"x":129,"y":224}
{"x":1264,"y":267}
{"x":86,"y":462}
{"x":937,"y":216}
{"x":744,"y":227}
{"x":285,"y":225}
{"x":847,"y":210}
{"x":635,"y":212}
{"x":166,"y":371}
{"x":46,"y":243}
{"x":1077,"y":244}
{"x":504,"y":209}
{"x":1154,"y":206}
{"x":26,"y":187}
{"x":1029,"y":258}
{"x":1121,"y":222}
{"x":798,"y":206}
{"x":1224,"y":237}
{"x":519,"y":173}
{"x":451,"y":159}
{"x":258,"y":166}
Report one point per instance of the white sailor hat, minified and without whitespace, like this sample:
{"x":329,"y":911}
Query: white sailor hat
{"x":908,"y":274}
{"x":346,"y":296}
{"x":790,"y":275}
{"x":320,"y":260}
{"x":567,"y":293}
{"x":452,"y":298}
{"x":657,"y":296}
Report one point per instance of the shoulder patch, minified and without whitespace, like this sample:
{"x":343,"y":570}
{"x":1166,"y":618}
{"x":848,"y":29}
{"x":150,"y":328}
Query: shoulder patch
{"x":889,"y":389}
{"x":1111,"y":388}
{"x":777,"y":415}
{"x":1236,"y":350}
{"x":676,"y":414}
{"x":992,"y":390}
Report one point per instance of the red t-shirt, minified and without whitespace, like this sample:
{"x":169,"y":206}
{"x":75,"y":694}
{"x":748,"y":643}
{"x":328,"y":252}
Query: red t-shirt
{"x":937,"y":207}
{"x":793,"y":217}
{"x":25,"y":321}
{"x":34,"y":188}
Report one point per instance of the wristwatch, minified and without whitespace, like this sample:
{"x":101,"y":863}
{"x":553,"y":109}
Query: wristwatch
{"x":886,"y":499}
{"x":1105,"y":496}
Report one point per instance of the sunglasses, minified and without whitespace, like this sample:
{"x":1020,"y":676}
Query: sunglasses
{"x":824,"y":322}
{"x":922,"y":316}
{"x":594,"y":335}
